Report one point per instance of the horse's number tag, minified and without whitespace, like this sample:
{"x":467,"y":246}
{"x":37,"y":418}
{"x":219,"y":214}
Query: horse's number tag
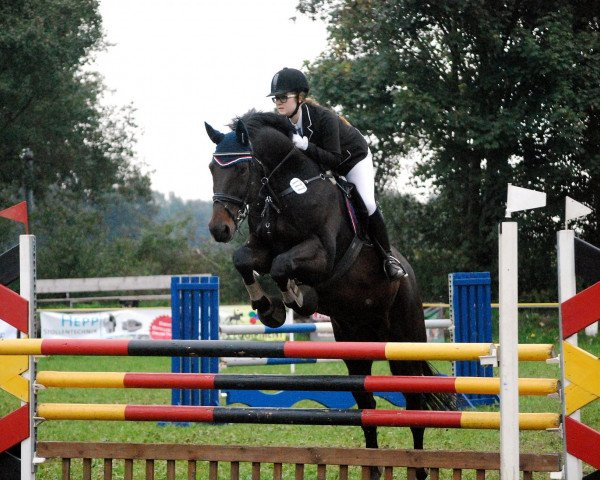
{"x":298,"y":186}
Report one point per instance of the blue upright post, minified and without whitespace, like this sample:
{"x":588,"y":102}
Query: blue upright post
{"x":195,"y":314}
{"x":471,"y":314}
{"x":176,"y":321}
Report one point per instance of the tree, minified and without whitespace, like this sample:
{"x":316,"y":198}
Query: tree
{"x":83,"y":168}
{"x":50,"y":103}
{"x":489,"y":92}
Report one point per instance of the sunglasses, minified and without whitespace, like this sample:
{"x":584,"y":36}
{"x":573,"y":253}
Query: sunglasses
{"x":282,"y":98}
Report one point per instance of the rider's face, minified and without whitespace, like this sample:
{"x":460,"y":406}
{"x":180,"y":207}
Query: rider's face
{"x":287,"y":107}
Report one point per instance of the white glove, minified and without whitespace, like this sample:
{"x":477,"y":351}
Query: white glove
{"x":300,"y":143}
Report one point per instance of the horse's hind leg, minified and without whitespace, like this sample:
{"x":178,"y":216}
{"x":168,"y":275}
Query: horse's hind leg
{"x":414,"y":401}
{"x":365,"y":400}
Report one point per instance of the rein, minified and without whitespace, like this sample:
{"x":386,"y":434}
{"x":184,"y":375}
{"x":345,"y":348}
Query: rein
{"x":272,"y":198}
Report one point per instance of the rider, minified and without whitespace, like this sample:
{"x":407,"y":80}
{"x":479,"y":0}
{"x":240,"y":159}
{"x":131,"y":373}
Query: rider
{"x":332,"y":142}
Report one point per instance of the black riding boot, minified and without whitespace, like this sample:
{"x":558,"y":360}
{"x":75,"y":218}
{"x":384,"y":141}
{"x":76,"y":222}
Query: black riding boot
{"x":379,"y":236}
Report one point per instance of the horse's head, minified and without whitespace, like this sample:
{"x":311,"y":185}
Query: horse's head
{"x":231,"y":169}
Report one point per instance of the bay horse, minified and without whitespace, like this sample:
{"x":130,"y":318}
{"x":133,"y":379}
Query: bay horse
{"x":302,"y":234}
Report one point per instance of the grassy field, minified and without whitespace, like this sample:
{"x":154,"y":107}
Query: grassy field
{"x":538,"y":329}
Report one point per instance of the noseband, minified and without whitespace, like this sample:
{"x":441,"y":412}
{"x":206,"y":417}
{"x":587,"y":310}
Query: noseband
{"x":224,"y":200}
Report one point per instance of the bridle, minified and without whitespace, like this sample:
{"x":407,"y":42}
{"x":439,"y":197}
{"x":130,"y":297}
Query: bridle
{"x":225,"y":199}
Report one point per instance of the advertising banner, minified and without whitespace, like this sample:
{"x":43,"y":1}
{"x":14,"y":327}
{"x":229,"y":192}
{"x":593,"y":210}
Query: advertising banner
{"x":142,"y":324}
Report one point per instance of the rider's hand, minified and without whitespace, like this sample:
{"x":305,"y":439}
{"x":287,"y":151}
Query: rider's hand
{"x":300,"y":142}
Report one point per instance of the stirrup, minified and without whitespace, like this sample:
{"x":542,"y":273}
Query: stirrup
{"x":393,"y":268}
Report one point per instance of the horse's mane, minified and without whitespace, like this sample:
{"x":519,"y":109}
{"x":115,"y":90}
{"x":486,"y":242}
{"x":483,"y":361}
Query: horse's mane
{"x":254,"y":120}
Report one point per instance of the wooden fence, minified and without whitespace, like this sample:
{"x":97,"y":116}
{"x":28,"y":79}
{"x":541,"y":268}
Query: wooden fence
{"x":270,"y":462}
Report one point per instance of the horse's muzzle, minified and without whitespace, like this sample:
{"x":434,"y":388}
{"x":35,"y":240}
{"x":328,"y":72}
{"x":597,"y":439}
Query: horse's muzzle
{"x":221,"y":226}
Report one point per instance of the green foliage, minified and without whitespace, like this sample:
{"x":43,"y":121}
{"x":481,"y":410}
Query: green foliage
{"x":118,"y":237}
{"x":488,"y":93}
{"x":50,"y":103}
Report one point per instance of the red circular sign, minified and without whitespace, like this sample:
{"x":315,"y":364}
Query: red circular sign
{"x":160,"y":328}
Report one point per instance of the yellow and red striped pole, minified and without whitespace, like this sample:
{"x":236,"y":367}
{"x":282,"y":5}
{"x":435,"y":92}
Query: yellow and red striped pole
{"x":296,"y":416}
{"x":373,"y":383}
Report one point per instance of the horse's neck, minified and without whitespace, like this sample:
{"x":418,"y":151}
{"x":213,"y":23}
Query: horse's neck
{"x":294,"y":166}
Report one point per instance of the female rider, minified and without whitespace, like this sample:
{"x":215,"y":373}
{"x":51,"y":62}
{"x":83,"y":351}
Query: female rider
{"x":334,"y":143}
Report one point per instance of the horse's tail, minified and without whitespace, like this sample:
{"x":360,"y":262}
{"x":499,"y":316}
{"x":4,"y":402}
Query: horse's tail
{"x":437,"y":401}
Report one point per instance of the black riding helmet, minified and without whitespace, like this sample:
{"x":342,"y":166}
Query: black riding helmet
{"x":288,"y":80}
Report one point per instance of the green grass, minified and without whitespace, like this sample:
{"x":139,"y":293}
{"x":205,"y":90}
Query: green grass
{"x":538,"y":329}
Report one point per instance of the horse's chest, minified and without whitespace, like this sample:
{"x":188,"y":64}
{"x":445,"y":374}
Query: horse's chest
{"x":275,"y":230}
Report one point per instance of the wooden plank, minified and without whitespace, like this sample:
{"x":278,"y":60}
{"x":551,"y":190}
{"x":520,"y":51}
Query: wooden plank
{"x":108,"y":284}
{"x":170,"y":469}
{"x":343,"y":472}
{"x":297,"y":455}
{"x":66,"y":469}
{"x":213,"y":470}
{"x":192,"y":467}
{"x":122,"y":298}
{"x":321,"y":471}
{"x":255,"y":470}
{"x":128,"y":469}
{"x":87,"y":469}
{"x":277,"y":471}
{"x":580,"y":310}
{"x":365,"y":473}
{"x":108,"y":469}
{"x":149,"y":469}
{"x":235,"y":470}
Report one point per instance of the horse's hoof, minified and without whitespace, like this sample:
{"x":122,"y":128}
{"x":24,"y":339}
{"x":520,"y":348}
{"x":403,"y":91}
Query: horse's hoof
{"x":310,"y":301}
{"x":274,"y":316}
{"x":422,"y":473}
{"x":375,"y":473}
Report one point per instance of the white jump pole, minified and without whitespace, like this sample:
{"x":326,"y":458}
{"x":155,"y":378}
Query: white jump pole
{"x":509,"y":360}
{"x":27,"y":274}
{"x":567,"y":288}
{"x":517,"y":199}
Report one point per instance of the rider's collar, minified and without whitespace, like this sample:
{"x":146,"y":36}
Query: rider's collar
{"x":298,"y":124}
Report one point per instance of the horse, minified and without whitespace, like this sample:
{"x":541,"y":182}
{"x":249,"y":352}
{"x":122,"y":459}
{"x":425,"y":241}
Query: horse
{"x":304,"y":235}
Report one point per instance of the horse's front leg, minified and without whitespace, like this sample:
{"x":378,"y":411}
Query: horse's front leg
{"x":308,"y":259}
{"x":247,"y":260}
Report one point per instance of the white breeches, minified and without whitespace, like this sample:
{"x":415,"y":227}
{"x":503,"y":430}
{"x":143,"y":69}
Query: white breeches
{"x":363,"y":176}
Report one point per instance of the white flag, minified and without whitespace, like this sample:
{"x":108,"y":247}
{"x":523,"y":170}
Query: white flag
{"x":574,"y":209}
{"x":523,"y":199}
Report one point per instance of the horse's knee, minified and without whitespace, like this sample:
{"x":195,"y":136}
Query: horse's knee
{"x":280,"y":270}
{"x":242,"y":260}
{"x":247,"y":260}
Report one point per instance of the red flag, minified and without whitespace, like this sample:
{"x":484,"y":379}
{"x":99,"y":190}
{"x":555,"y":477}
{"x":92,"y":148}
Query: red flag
{"x":18,"y":213}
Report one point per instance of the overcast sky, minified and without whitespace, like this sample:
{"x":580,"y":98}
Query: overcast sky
{"x":183,"y":62}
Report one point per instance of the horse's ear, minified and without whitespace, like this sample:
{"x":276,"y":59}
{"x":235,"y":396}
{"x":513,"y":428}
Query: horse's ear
{"x":215,"y":135}
{"x":242,"y":134}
